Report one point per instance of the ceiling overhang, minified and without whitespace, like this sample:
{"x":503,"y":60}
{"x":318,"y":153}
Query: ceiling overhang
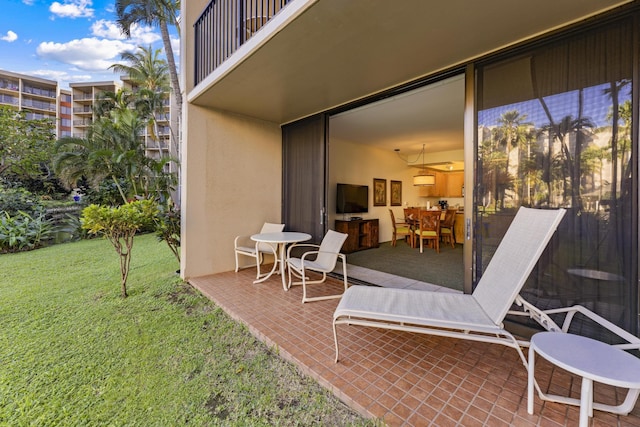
{"x":318,"y":55}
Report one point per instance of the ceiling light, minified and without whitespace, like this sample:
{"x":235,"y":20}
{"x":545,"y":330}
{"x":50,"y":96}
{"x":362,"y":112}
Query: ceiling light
{"x":423,"y":178}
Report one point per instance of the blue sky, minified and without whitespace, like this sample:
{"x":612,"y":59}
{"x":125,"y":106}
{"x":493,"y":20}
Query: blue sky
{"x":67,"y":40}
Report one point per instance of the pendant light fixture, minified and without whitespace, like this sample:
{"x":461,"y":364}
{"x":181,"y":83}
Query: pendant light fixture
{"x":423,"y":178}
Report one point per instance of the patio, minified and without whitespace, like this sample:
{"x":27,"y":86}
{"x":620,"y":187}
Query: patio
{"x":401,"y":378}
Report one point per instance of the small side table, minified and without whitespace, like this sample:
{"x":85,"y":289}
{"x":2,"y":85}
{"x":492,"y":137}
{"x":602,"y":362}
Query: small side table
{"x":593,"y":361}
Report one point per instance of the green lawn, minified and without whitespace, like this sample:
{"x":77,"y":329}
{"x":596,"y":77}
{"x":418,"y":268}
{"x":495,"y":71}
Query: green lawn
{"x":73,"y":352}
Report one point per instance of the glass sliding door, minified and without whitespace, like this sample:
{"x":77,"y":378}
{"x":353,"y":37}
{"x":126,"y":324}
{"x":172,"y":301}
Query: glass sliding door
{"x":554,"y":129}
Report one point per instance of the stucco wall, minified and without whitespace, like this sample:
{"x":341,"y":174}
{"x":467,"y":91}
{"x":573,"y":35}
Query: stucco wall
{"x":232,"y":177}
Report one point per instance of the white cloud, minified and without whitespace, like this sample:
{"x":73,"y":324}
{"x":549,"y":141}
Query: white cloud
{"x":28,"y":2}
{"x":106,"y":29}
{"x":175,"y":45}
{"x":70,"y":76}
{"x":88,"y":54}
{"x":110,"y":30}
{"x":10,"y":37}
{"x":59,"y":75}
{"x":72,"y":9}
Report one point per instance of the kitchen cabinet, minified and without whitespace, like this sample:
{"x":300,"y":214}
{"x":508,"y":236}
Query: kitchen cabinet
{"x":455,"y":181}
{"x":447,"y":184}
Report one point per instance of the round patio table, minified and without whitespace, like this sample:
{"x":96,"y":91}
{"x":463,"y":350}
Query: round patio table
{"x":281,"y":239}
{"x":592,"y":360}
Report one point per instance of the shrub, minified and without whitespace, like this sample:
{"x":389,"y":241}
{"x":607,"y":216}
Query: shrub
{"x":119,"y":225}
{"x":167,"y":228}
{"x":14,"y":200}
{"x":22,"y":232}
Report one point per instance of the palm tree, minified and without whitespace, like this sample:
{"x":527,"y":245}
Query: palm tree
{"x":512,"y":132}
{"x":112,"y":150}
{"x":151,"y":74}
{"x":560,"y":132}
{"x":160,"y":13}
{"x":145,"y":68}
{"x":156,"y":13}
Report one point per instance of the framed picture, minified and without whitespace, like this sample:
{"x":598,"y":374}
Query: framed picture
{"x":379,"y":192}
{"x":396,"y":193}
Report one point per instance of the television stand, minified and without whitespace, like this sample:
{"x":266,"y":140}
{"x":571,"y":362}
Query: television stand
{"x":362,"y":234}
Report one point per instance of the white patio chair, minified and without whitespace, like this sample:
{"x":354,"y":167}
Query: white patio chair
{"x":243,"y":245}
{"x":323,"y":260}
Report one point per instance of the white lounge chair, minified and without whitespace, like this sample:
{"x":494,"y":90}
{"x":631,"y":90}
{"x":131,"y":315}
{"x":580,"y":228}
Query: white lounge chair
{"x":243,"y":245}
{"x":477,"y":316}
{"x":323,"y":260}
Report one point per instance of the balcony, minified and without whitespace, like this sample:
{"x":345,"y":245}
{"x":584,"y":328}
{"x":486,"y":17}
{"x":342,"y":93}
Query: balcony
{"x":8,"y":99}
{"x":9,"y":85}
{"x":33,"y":90}
{"x":39,"y":105}
{"x":224,"y":26}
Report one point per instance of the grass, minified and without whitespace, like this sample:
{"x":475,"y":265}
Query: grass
{"x":73,"y":352}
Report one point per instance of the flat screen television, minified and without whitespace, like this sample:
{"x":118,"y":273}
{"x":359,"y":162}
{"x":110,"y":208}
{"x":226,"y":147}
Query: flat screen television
{"x":352,"y":198}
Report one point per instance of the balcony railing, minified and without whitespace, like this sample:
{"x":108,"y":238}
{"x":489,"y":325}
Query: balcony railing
{"x":224,"y":26}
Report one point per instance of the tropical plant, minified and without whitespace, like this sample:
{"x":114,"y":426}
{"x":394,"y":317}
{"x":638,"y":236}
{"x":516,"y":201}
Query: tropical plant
{"x":167,"y":227}
{"x":145,"y":68}
{"x":26,"y":145}
{"x":14,"y":200}
{"x":160,"y":13}
{"x":560,"y":132}
{"x":512,"y":133}
{"x":150,"y":75}
{"x":114,"y":151}
{"x":119,"y":225}
{"x":23,"y":232}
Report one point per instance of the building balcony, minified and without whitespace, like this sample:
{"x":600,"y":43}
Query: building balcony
{"x":9,"y":85}
{"x":36,"y":91}
{"x":8,"y":99}
{"x":83,"y":97}
{"x":224,"y":26}
{"x":38,"y":105}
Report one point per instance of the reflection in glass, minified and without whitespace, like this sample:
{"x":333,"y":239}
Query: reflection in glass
{"x":554,"y":130}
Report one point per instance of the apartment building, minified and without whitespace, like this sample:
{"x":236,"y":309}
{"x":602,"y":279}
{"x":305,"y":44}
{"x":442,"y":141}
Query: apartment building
{"x":83,"y":97}
{"x":72,"y":109}
{"x":39,"y":97}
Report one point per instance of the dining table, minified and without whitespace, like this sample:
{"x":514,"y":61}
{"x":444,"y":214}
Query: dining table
{"x":412,"y":218}
{"x":279,"y":240}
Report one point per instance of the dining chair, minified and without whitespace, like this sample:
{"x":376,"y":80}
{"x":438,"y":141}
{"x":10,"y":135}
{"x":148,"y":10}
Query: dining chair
{"x":429,"y":229}
{"x":412,"y":218}
{"x":400,"y":229}
{"x":446,"y":227}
